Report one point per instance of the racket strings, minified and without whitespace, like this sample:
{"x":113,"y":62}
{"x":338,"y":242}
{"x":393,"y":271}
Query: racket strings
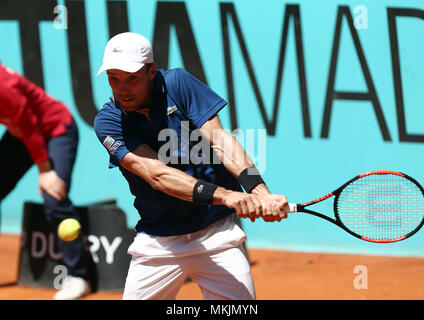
{"x":381,"y":206}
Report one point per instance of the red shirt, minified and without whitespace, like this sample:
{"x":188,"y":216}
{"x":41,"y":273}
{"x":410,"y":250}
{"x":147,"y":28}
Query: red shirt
{"x":30,"y":114}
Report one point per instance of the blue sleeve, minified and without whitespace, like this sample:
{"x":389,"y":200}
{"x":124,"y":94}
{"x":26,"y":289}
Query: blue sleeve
{"x":113,"y":132}
{"x":198,"y":101}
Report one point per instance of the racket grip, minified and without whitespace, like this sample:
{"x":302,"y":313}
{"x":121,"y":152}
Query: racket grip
{"x":292,"y":207}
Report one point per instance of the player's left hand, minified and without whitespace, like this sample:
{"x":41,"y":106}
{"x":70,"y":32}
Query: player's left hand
{"x":52,"y":184}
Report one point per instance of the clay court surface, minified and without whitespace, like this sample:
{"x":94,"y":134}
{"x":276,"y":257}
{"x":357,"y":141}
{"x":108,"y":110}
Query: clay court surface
{"x":278,"y":275}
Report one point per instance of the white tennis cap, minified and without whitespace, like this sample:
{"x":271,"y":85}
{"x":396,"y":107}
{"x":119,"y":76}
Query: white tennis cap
{"x":128,"y":52}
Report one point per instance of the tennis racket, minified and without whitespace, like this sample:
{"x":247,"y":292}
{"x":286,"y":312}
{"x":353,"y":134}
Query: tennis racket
{"x":380,"y":206}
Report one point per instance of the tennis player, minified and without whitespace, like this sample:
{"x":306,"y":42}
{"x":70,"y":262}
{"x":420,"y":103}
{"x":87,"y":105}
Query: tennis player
{"x":186,"y":207}
{"x":41,"y":130}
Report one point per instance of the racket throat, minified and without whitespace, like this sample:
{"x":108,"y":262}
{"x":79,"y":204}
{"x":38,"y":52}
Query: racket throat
{"x":292,"y":207}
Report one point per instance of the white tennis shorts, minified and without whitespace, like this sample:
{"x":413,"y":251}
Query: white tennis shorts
{"x":214,"y":258}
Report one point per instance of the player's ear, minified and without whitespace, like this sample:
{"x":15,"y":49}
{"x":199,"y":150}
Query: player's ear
{"x":152,"y":71}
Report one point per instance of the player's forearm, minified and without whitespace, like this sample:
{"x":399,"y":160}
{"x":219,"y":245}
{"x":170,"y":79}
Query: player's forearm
{"x":174,"y":183}
{"x":169,"y":180}
{"x":230,"y":152}
{"x":220,"y":195}
{"x":235,"y":159}
{"x":261,"y":190}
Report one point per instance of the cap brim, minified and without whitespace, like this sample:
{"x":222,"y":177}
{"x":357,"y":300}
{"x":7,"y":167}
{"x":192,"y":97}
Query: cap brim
{"x":120,"y":65}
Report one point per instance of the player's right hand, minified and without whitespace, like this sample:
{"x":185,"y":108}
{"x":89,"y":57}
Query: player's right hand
{"x":275,"y":207}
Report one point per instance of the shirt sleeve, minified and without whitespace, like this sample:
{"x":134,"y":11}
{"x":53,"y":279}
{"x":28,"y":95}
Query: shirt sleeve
{"x":113,"y":131}
{"x":33,"y":138}
{"x":199,"y":101}
{"x":23,"y":123}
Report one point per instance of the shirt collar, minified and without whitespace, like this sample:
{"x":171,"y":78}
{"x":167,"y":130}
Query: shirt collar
{"x":115,"y":101}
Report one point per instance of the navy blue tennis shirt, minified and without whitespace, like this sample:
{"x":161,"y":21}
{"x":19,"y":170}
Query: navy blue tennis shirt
{"x":181,"y":104}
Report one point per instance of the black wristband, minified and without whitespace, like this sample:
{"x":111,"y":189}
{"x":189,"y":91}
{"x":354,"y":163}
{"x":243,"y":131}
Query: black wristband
{"x":203,"y":192}
{"x":249,"y":178}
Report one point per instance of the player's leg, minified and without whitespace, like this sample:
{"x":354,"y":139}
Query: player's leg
{"x":153,"y":273}
{"x":62,"y":152}
{"x":222,"y":269}
{"x":224,"y":275}
{"x":155,"y":279}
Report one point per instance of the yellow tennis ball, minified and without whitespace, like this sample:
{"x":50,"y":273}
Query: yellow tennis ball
{"x":69,"y":229}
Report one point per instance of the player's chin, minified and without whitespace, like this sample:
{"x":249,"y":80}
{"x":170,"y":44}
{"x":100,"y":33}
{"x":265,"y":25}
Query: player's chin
{"x":130,"y":107}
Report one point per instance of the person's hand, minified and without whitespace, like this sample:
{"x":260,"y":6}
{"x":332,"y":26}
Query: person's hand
{"x":275,"y":207}
{"x":246,"y":205}
{"x":50,"y":183}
